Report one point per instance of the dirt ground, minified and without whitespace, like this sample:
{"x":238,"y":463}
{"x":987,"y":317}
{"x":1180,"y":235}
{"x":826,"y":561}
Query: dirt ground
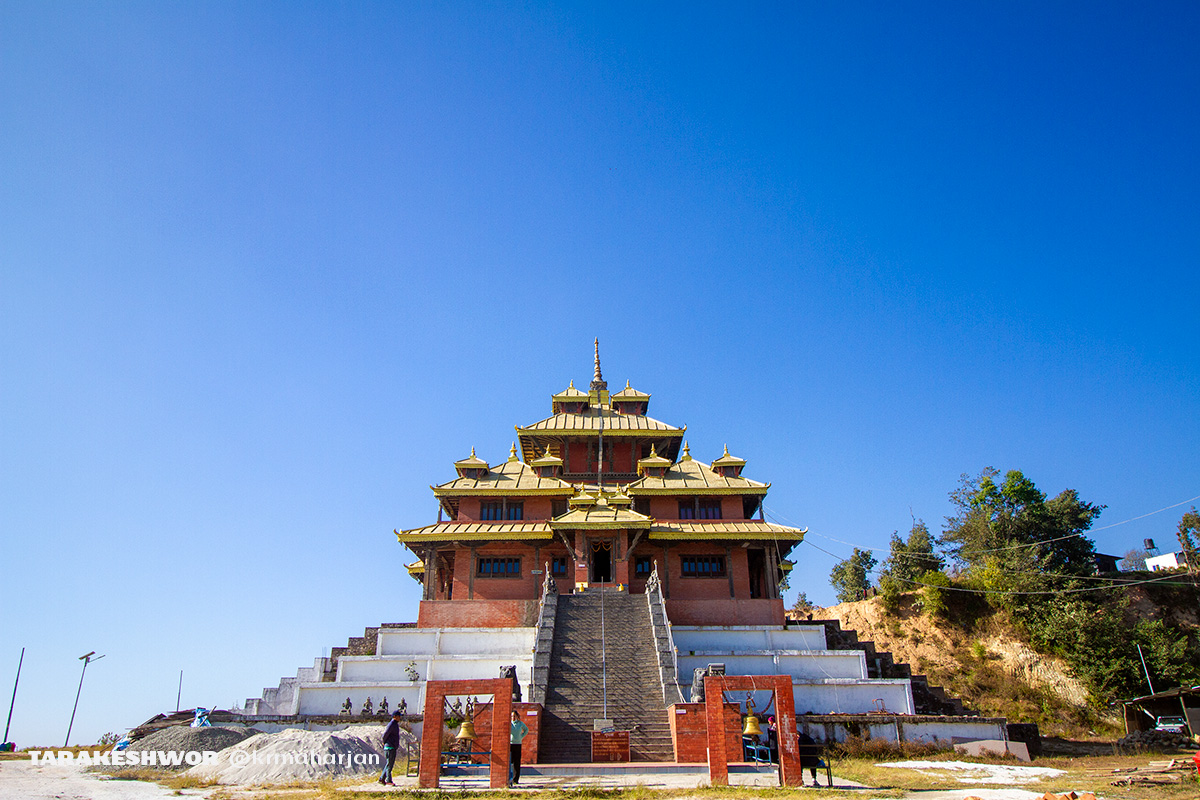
{"x":24,"y":780}
{"x":1086,"y":767}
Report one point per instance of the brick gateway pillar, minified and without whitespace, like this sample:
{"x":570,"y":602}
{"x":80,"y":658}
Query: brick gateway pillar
{"x":436,"y":692}
{"x":785,"y":724}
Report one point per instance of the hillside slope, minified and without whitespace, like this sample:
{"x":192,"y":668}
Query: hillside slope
{"x":987,"y":664}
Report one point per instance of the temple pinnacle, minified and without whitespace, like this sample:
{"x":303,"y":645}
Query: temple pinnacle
{"x":598,"y":382}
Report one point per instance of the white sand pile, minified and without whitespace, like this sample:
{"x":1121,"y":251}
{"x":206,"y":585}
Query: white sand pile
{"x":300,"y":755}
{"x":968,"y":772}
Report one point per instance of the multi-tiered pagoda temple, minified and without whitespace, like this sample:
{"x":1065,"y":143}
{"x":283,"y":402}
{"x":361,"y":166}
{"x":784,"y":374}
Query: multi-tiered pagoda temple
{"x":604,"y":567}
{"x":601,"y":495}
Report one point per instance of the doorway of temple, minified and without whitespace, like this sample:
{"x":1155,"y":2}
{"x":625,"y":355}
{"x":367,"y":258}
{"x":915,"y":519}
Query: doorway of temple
{"x":602,"y":562}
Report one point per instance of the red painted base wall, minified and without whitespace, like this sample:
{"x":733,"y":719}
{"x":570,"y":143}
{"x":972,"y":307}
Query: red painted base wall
{"x":725,"y":611}
{"x":477,"y":613}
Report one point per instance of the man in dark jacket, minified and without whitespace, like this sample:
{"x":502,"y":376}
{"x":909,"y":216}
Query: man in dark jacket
{"x":391,"y":743}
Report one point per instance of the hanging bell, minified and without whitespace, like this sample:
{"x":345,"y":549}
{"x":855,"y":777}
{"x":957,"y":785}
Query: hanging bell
{"x":467,"y":731}
{"x":752,"y":727}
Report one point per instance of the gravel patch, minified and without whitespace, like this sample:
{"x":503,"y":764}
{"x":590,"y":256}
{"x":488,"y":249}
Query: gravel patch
{"x":184,"y":739}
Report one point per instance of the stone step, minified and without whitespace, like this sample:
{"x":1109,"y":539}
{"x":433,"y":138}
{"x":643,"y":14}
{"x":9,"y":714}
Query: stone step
{"x":577,"y":692}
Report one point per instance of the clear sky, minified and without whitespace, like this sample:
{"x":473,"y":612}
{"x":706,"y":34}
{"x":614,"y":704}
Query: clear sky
{"x":267,"y":270}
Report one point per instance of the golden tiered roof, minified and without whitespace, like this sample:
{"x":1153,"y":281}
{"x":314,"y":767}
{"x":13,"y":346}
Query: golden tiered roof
{"x":601,"y":515}
{"x":688,"y":476}
{"x":474,"y":531}
{"x":629,"y":393}
{"x":570,"y":395}
{"x":652,"y":461}
{"x":547,"y":459}
{"x":728,"y":460}
{"x":590,"y":422}
{"x":471,"y":462}
{"x":725,"y":529}
{"x":510,"y":477}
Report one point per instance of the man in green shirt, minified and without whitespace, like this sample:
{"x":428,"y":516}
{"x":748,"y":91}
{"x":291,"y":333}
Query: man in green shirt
{"x":517,"y":732}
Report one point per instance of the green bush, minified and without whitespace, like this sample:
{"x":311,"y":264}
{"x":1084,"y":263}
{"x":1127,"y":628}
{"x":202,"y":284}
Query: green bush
{"x":890,"y":593}
{"x":933,"y":592}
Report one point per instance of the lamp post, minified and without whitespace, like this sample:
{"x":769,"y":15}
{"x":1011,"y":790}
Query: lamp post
{"x":14,"y":697}
{"x":86,"y":659}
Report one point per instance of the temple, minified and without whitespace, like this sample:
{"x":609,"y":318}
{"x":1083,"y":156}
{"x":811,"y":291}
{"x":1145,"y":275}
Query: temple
{"x":612,"y":574}
{"x":600,"y":495}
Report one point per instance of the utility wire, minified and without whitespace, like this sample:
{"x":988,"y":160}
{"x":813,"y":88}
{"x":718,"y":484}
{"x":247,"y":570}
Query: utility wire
{"x":1152,"y":513}
{"x":1014,"y":546}
{"x":1162,"y":580}
{"x":1114,"y":585}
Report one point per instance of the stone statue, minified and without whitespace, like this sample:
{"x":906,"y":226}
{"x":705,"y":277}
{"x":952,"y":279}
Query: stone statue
{"x":347,"y":707}
{"x":403,"y":707}
{"x":511,"y":672}
{"x":366,"y":709}
{"x":698,"y":684}
{"x":652,"y":581}
{"x":383,"y":707}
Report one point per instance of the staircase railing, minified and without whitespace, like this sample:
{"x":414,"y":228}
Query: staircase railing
{"x":668,"y":661}
{"x":544,"y":639}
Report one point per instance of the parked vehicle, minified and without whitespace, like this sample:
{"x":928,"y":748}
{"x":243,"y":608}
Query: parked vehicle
{"x":1171,"y":725}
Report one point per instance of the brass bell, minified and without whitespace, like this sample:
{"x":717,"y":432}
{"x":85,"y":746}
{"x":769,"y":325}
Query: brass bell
{"x":752,"y":727}
{"x":467,"y":731}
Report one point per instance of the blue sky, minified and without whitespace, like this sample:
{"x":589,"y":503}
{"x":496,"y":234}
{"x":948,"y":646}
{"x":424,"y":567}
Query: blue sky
{"x":267,"y":270}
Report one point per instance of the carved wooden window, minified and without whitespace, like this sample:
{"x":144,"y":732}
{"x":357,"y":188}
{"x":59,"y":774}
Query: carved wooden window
{"x":703,"y":566}
{"x":499,"y":568}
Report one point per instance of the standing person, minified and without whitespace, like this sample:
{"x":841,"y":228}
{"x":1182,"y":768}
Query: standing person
{"x":809,"y":760}
{"x":517,"y":732}
{"x":391,"y":743}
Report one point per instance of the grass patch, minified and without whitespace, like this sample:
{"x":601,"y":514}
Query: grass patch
{"x":856,"y":748}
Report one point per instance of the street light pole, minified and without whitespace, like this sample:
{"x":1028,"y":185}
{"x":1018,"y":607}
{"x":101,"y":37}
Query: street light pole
{"x":14,"y":697}
{"x":86,"y":659}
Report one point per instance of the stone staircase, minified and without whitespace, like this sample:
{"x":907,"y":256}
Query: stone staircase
{"x":927,"y":698}
{"x":574,"y":697}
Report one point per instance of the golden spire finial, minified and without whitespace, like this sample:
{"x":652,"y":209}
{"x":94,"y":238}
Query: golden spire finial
{"x":512,"y":452}
{"x":472,"y":452}
{"x":653,"y":451}
{"x":598,"y":382}
{"x":572,"y":384}
{"x":726,"y":449}
{"x":627,"y":386}
{"x":687,"y":453}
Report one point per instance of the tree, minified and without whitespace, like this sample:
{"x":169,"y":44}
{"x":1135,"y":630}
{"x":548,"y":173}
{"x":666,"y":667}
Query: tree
{"x":802,"y":605}
{"x":933,"y":593}
{"x":1134,"y":560}
{"x":850,"y":578}
{"x":1189,"y":538}
{"x":911,"y":559}
{"x":1009,"y":527}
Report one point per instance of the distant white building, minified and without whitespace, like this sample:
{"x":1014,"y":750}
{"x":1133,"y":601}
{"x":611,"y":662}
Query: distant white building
{"x":1166,"y":561}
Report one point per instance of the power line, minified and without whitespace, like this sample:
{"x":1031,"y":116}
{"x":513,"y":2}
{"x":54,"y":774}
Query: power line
{"x":1152,"y":513}
{"x":1111,"y":583}
{"x":1163,"y":580}
{"x":998,"y":549}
